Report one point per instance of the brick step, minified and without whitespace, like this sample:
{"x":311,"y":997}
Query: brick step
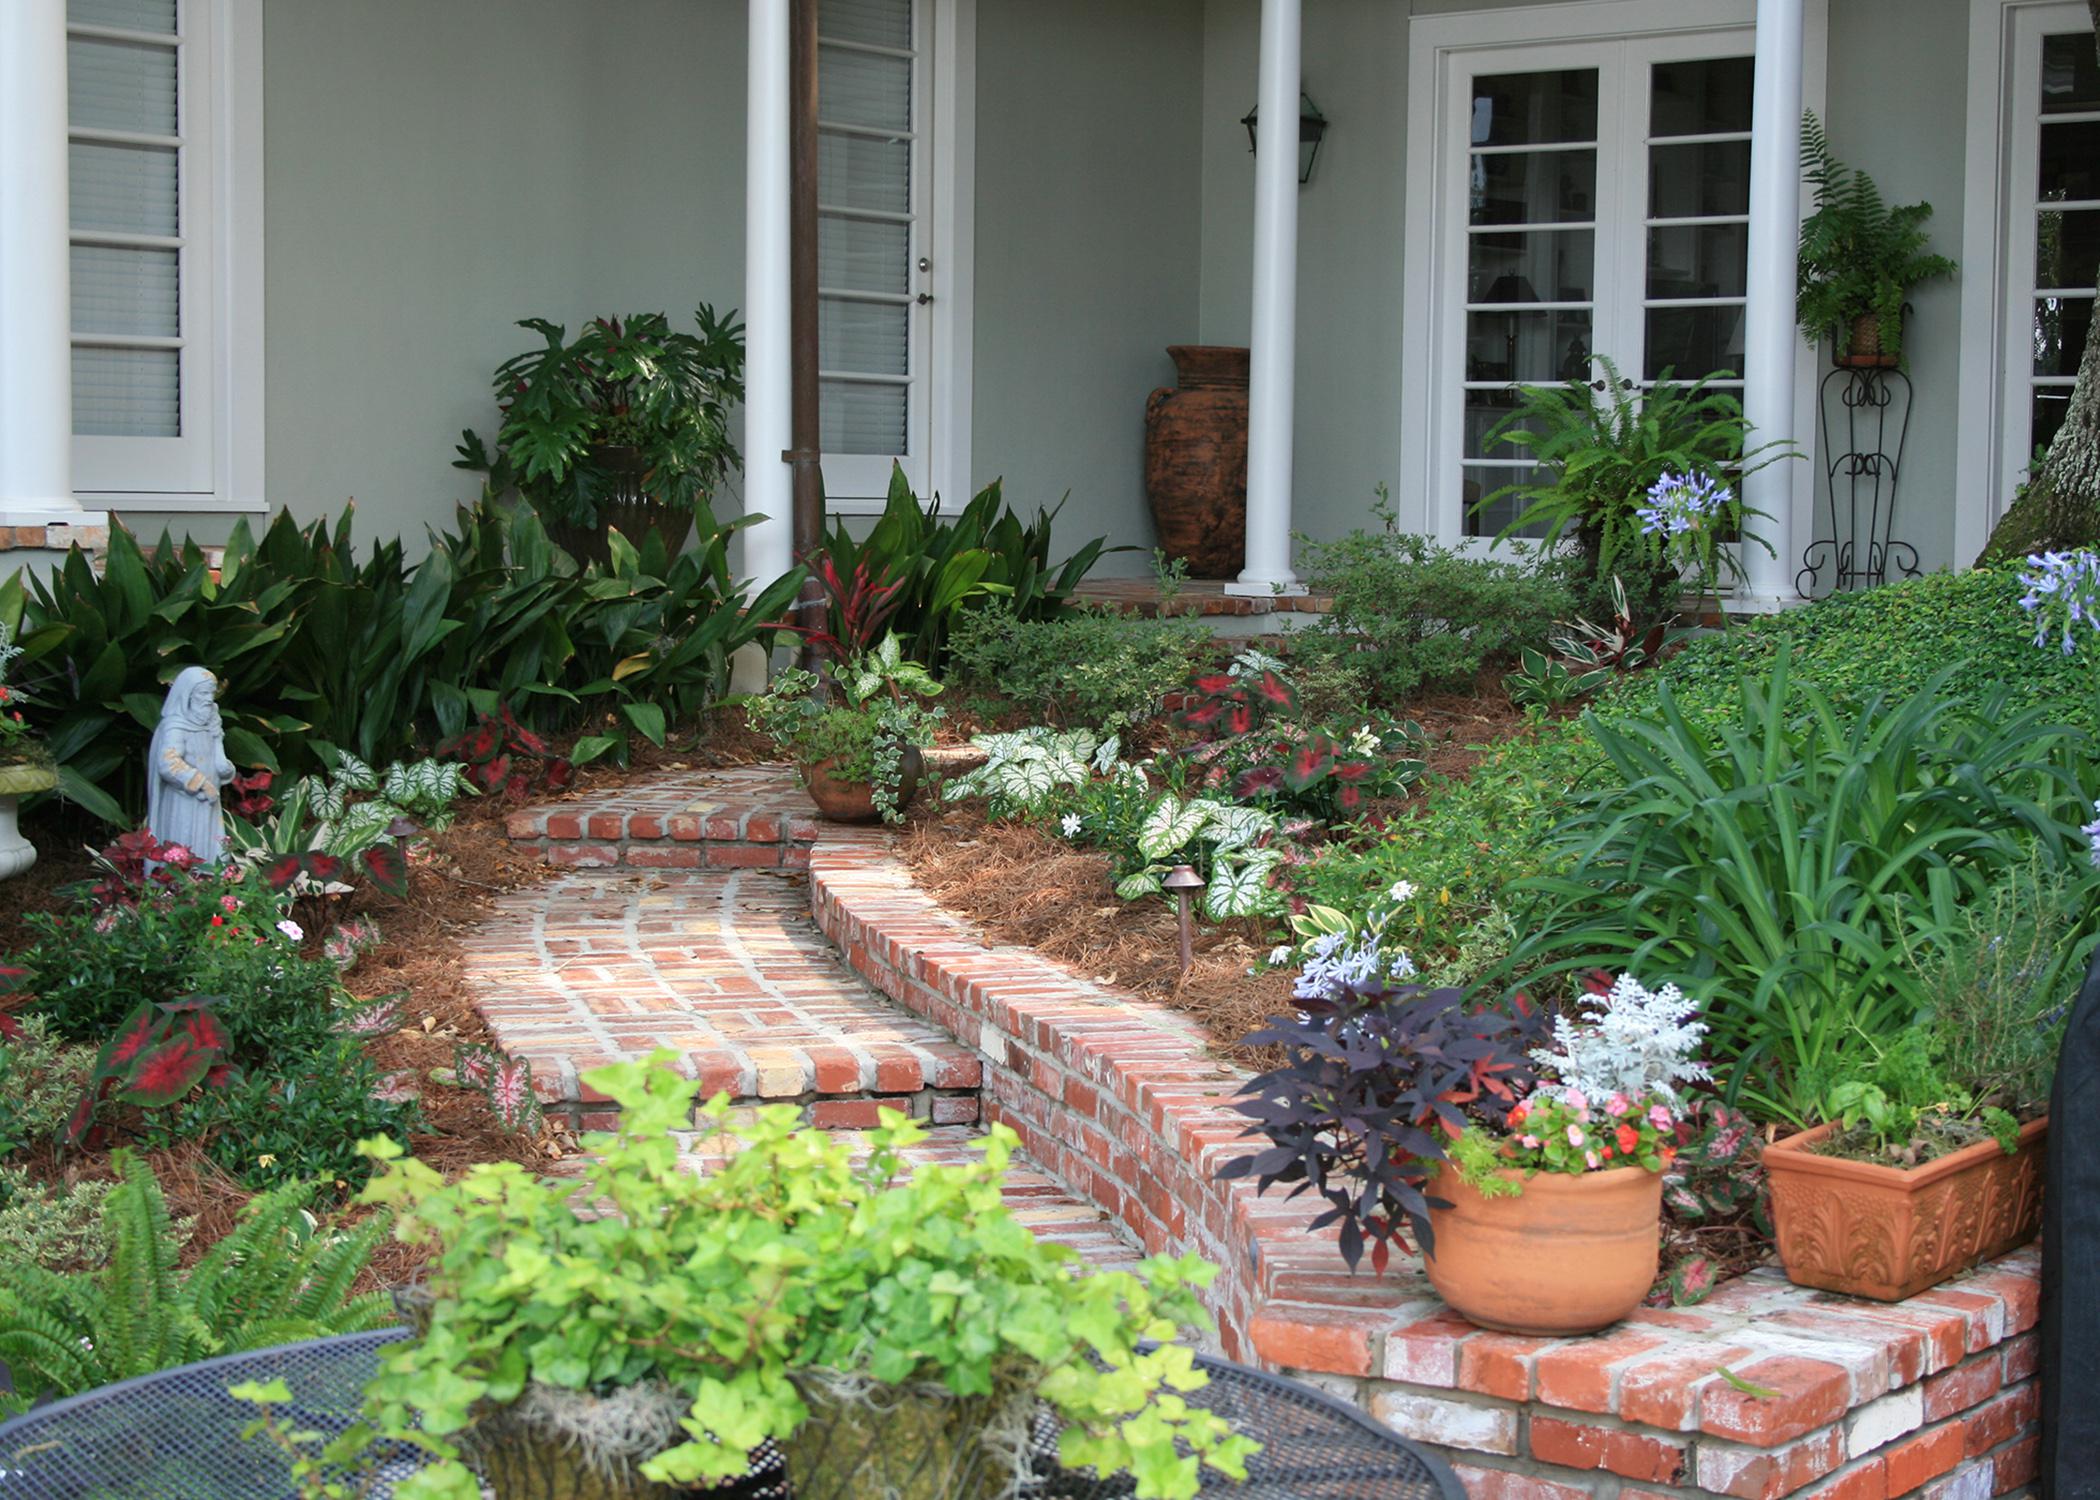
{"x":743,"y":817}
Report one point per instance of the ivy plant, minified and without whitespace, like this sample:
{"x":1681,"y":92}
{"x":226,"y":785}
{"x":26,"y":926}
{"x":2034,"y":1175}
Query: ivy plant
{"x":788,"y":1258}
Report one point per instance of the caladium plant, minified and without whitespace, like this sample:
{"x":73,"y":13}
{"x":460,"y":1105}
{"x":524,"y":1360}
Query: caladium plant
{"x":502,"y":755}
{"x":161,"y":1053}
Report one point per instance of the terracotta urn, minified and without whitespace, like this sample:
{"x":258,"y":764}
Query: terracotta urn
{"x":1196,"y":459}
{"x":1884,"y":1232}
{"x":17,"y":854}
{"x":1572,"y":1253}
{"x":842,"y":801}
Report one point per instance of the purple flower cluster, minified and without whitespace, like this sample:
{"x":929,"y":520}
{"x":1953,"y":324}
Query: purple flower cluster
{"x":1335,"y":965}
{"x":2092,"y":837}
{"x":1678,"y":503}
{"x":2063,"y":592}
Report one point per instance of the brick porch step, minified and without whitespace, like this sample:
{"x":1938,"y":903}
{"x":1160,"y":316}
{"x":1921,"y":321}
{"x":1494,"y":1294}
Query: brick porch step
{"x":725,"y":969}
{"x":742,"y":817}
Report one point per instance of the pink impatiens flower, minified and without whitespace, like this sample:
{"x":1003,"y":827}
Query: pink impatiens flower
{"x":1574,"y":1135}
{"x":1577,"y":1100}
{"x":1531,"y":1143}
{"x":1616,"y":1105}
{"x":1659,"y":1117}
{"x":1591,"y":1158}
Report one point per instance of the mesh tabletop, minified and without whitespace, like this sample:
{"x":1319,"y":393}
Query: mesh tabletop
{"x":176,"y":1435}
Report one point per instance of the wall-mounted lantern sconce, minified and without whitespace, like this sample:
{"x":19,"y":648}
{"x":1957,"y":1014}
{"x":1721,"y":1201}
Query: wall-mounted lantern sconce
{"x":1312,"y":129}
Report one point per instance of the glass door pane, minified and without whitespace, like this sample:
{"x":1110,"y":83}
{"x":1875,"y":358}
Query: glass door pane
{"x":1697,"y":218}
{"x":2066,"y":212}
{"x":1531,"y":253}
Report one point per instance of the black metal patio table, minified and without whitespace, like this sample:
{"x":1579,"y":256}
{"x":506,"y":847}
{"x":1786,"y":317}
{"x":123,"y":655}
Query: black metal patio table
{"x":176,"y":1435}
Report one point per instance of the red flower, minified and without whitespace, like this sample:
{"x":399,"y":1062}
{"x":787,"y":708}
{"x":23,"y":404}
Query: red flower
{"x":217,"y":920}
{"x":1628,"y":1138}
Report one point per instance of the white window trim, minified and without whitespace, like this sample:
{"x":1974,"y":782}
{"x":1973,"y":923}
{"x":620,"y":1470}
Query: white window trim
{"x":1984,"y":472}
{"x":951,"y":239}
{"x":233,"y":274}
{"x":1431,"y":42}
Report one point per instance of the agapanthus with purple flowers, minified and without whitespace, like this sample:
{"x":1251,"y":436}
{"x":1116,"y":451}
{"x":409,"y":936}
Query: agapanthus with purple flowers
{"x":1336,"y":963}
{"x":1678,"y":503}
{"x":2063,"y":592}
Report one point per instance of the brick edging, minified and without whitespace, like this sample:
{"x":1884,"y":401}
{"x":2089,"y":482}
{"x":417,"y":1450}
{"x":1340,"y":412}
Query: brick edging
{"x":1122,"y":1103}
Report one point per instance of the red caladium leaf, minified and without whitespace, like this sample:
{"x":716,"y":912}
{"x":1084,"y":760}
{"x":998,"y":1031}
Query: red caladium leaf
{"x":559,"y":774}
{"x":495,"y":773}
{"x":526,"y":740}
{"x":1259,"y":781}
{"x":1351,"y":770}
{"x":167,"y":1073}
{"x":280,"y":872}
{"x":325,"y":868}
{"x":1274,"y":691}
{"x":203,"y":1030}
{"x":375,"y":1017}
{"x":1216,"y":685}
{"x":13,"y":978}
{"x":80,"y":1123}
{"x":472,"y":1063}
{"x":510,"y":1091}
{"x":142,"y":1029}
{"x":1203,"y":715}
{"x":1350,"y":798}
{"x":220,"y":1075}
{"x":385,"y":866}
{"x":517,"y":787}
{"x":1308,"y":766}
{"x":1239,"y":719}
{"x":10,"y":1028}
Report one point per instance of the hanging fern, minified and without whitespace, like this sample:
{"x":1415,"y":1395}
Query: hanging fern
{"x":1859,"y":256}
{"x":274,"y":1280}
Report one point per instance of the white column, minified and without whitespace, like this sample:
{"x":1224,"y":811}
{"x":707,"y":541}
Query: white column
{"x":1769,"y":354}
{"x":36,"y":355}
{"x":769,"y":545}
{"x":1272,"y":386}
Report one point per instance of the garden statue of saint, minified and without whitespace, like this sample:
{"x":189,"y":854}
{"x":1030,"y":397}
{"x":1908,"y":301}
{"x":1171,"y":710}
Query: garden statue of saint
{"x":185,"y":767}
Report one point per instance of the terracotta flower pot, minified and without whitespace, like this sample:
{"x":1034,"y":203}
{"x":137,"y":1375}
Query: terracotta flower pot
{"x":1888,"y":1233}
{"x":1571,"y":1254}
{"x":854,"y":801}
{"x":1196,"y":459}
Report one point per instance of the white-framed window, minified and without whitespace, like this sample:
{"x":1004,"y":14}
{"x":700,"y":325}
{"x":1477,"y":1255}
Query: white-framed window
{"x":1578,"y":186}
{"x":164,"y":124}
{"x":894,"y":245}
{"x":2052,"y":240}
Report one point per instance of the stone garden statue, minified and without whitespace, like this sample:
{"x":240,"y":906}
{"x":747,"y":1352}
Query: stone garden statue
{"x":185,"y":767}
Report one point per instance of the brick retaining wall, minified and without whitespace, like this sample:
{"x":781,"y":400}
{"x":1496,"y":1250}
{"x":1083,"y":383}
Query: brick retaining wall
{"x":1122,"y":1102}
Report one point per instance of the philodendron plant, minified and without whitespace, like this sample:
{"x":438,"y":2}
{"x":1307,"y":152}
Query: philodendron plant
{"x":787,"y":1271}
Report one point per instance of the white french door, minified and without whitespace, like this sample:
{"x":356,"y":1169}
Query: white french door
{"x":891,"y":300}
{"x":1592,"y":200}
{"x":2052,"y":240}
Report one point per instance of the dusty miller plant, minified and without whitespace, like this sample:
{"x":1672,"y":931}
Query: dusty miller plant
{"x":1630,"y":1041}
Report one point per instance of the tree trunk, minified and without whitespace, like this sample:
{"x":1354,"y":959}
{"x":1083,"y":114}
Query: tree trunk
{"x":2061,"y":508}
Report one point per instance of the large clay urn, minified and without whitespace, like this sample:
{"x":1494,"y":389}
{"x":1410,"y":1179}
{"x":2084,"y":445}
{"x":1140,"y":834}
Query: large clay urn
{"x":1570,"y":1254}
{"x":1196,"y":459}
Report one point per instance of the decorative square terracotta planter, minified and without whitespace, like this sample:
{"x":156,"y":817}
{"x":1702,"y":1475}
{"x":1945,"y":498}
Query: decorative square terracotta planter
{"x":1870,"y":1230}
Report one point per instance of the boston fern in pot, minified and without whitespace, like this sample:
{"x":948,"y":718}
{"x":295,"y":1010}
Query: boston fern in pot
{"x":1859,"y":258}
{"x":625,"y":426}
{"x":893,"y":1334}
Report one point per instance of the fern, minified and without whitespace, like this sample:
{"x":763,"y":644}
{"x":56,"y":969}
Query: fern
{"x":273,"y":1280}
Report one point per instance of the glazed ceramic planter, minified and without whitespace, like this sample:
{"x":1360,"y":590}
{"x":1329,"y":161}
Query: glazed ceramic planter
{"x":17,"y":854}
{"x":1572,"y":1253}
{"x":1876,"y":1231}
{"x":854,"y":801}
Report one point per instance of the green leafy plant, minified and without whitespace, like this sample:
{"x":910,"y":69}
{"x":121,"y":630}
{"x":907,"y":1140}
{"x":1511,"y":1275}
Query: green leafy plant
{"x":57,"y":1226}
{"x":787,"y":1263}
{"x":1785,"y":860}
{"x":274,"y":1280}
{"x":941,"y":567}
{"x":632,"y":383}
{"x":864,"y":735}
{"x":1410,"y":614}
{"x":1603,"y":447}
{"x":1547,"y":682}
{"x":1716,"y":1210}
{"x":1090,"y":665}
{"x":41,"y":1078}
{"x":1860,"y":256}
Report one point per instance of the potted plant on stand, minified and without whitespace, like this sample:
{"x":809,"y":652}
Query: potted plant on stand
{"x":1859,"y":259}
{"x":1530,"y":1176}
{"x":893,"y":1335}
{"x":858,"y":754}
{"x":625,"y":428}
{"x":25,"y":766}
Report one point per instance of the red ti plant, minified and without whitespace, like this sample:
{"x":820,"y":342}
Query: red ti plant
{"x":504,"y":756}
{"x":160,"y":1054}
{"x":856,"y":609}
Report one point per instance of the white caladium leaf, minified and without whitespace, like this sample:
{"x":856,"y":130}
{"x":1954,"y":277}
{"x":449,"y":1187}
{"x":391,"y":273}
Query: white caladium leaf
{"x":1234,"y":891}
{"x":1237,"y":826}
{"x":1029,"y":780}
{"x":1171,"y":824}
{"x":1107,"y":752}
{"x":1143,"y":883}
{"x":354,"y":774}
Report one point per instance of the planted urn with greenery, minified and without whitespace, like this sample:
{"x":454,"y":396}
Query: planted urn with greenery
{"x":1860,"y":256}
{"x":626,"y":426}
{"x":894,"y":1335}
{"x":856,"y":742}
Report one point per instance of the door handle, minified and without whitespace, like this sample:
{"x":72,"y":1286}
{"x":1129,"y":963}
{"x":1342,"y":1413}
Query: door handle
{"x":923,"y":298}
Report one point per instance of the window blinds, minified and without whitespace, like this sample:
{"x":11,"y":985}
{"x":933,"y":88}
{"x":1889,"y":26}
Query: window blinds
{"x":123,"y":74}
{"x":867,"y":215}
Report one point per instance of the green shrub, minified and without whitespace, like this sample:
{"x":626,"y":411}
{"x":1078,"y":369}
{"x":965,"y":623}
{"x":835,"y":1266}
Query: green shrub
{"x":274,"y":1280}
{"x":1092,"y":666}
{"x":1410,"y":613}
{"x":1787,"y":866}
{"x":317,"y":651}
{"x":58,"y":1228}
{"x":41,"y":1078}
